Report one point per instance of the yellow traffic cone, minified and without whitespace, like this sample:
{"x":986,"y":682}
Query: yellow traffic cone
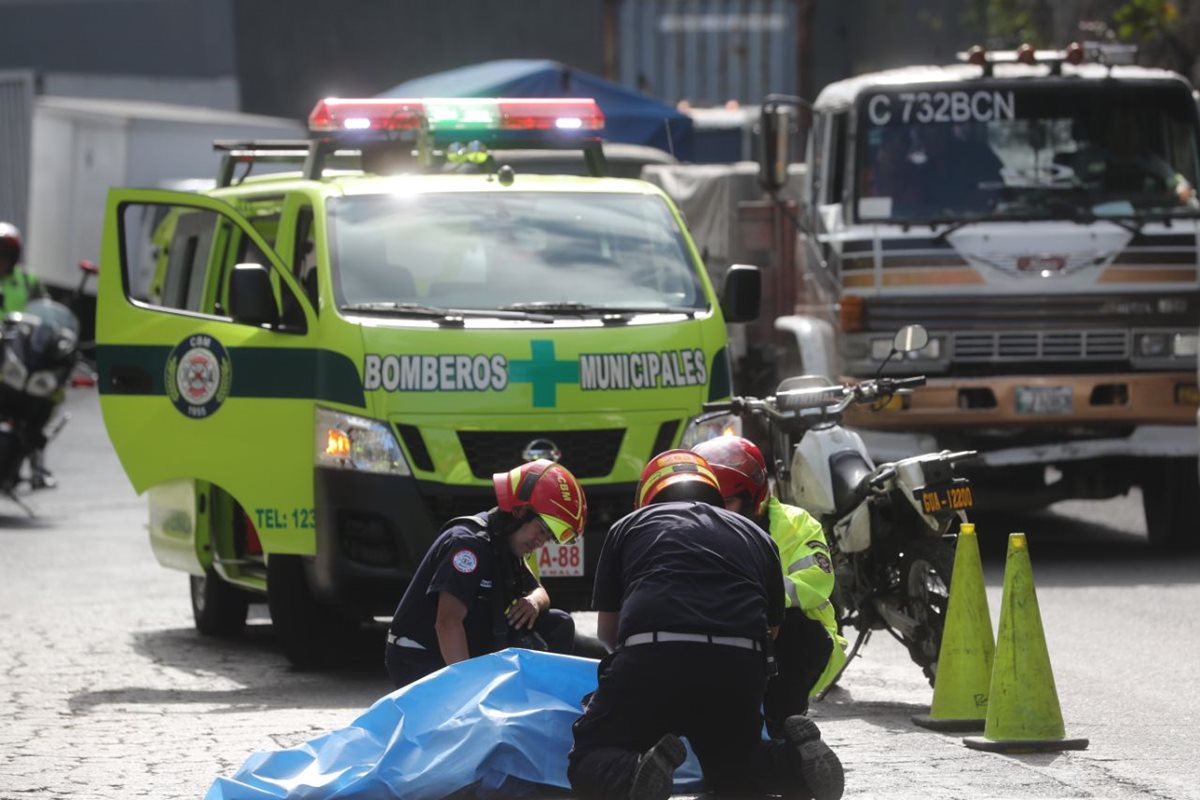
{"x":1023,"y":714}
{"x":964,"y":669}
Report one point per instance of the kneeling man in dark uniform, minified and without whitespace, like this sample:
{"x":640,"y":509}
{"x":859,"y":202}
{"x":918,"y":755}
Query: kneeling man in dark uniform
{"x":473,"y":593}
{"x":690,"y":596}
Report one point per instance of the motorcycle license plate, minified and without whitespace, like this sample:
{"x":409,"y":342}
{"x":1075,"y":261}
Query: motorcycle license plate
{"x":1041,"y":400}
{"x":561,"y":560}
{"x":943,"y":498}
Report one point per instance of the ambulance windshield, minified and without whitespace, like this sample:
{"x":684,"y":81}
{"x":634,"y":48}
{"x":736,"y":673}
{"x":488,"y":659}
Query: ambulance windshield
{"x":491,"y":250}
{"x":1020,"y":151}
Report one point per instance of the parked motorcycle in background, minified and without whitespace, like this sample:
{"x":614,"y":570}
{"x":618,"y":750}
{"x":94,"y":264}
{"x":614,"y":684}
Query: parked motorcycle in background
{"x":887,"y":525}
{"x":39,"y":351}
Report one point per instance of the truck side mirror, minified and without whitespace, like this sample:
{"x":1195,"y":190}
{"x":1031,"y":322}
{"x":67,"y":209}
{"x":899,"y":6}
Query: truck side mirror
{"x":741,"y":294}
{"x":777,"y":122}
{"x":251,"y":299}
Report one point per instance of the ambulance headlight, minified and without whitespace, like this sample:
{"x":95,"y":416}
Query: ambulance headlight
{"x":704,"y":427}
{"x":14,"y":371}
{"x":346,"y":441}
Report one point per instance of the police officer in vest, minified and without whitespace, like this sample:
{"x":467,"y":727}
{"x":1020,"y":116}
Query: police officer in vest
{"x":689,"y":596}
{"x":473,"y":593}
{"x":17,"y":286}
{"x":809,"y":650}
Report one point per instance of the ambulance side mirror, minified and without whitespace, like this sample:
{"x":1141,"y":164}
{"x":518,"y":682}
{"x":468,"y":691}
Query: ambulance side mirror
{"x":251,"y":299}
{"x":742,"y":293}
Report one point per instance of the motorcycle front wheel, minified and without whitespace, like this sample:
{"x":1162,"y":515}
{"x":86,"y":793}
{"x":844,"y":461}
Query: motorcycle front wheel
{"x":925,"y":569}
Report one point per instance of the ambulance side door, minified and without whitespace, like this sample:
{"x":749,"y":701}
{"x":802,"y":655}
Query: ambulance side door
{"x":188,"y":392}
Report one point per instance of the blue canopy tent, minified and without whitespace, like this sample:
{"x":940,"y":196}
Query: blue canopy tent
{"x":628,"y":116}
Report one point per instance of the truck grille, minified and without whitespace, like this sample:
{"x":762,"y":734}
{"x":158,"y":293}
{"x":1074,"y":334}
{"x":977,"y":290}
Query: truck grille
{"x":588,"y":454}
{"x":1054,"y":345}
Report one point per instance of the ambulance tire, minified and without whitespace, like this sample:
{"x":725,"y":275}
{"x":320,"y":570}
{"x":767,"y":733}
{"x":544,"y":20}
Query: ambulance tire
{"x":218,"y":607}
{"x":1171,"y":502}
{"x":313,"y":634}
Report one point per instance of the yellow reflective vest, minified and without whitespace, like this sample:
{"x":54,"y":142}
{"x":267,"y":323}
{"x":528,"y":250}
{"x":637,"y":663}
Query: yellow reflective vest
{"x":807,"y":575}
{"x":18,"y":288}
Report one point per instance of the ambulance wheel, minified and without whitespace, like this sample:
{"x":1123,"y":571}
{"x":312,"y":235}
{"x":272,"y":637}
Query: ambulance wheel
{"x":311,"y":633}
{"x":1171,"y":502}
{"x":218,"y":607}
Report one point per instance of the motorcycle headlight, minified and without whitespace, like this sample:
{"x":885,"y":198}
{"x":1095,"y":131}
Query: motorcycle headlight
{"x":42,"y":383}
{"x":13,"y":371}
{"x":345,"y":441}
{"x":704,"y":427}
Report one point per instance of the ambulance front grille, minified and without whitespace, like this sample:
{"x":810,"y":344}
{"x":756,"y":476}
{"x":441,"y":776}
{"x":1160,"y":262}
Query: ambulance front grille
{"x":588,"y":454}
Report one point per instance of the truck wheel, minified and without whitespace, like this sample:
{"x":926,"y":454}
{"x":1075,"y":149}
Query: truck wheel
{"x":1171,"y":501}
{"x":219,"y":608}
{"x":312,"y":633}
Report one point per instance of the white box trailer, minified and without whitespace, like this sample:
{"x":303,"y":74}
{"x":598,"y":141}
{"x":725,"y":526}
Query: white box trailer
{"x":82,"y":147}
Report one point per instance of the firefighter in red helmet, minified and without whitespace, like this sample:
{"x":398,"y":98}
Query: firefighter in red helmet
{"x":473,"y":592}
{"x":688,"y":595}
{"x":809,"y":648}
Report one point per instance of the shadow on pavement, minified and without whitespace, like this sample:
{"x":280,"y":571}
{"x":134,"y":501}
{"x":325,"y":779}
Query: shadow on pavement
{"x":1071,"y":552}
{"x":252,"y":659}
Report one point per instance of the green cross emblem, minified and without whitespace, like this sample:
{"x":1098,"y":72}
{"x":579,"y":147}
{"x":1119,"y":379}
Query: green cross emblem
{"x":544,"y":371}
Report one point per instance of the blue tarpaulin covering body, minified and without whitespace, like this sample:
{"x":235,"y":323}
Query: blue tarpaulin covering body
{"x":628,"y":115}
{"x":498,"y":723}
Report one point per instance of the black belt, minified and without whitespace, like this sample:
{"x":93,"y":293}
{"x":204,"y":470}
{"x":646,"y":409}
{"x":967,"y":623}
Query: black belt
{"x":744,"y":642}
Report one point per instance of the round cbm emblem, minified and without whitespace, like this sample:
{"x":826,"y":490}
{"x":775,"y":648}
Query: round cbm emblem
{"x":541,"y":448}
{"x":198,"y":376}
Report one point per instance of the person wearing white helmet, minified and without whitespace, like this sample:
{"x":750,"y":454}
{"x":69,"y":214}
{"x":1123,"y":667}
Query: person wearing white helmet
{"x":17,"y":286}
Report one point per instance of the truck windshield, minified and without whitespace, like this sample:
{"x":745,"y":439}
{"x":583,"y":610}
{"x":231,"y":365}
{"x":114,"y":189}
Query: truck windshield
{"x":569,"y":254}
{"x":1061,"y":150}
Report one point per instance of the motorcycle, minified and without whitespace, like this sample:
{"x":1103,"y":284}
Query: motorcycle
{"x":887,"y":525}
{"x":39,"y":352}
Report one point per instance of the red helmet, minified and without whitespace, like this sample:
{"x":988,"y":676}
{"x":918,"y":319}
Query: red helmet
{"x":10,"y":240}
{"x":550,"y":490}
{"x":670,"y":468}
{"x":739,"y":466}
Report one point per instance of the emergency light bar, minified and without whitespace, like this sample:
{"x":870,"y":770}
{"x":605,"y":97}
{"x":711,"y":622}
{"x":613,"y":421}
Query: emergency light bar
{"x":384,"y":115}
{"x":1075,"y":53}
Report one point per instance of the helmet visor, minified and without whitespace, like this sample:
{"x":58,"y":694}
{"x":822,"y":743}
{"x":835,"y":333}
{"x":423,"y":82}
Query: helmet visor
{"x":561,"y":531}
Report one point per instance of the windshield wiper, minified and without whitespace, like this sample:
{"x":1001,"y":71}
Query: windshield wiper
{"x":573,"y":307}
{"x":952,"y":226}
{"x":449,"y":315}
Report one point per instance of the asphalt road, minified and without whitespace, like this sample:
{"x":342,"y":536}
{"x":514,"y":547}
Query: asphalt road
{"x":107,"y":691}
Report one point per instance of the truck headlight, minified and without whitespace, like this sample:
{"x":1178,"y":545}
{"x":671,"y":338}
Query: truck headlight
{"x":1186,"y":344}
{"x":345,"y":441}
{"x":882,"y":348}
{"x":704,"y":427}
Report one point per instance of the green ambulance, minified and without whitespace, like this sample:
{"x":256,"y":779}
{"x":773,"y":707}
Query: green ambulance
{"x":309,"y":372}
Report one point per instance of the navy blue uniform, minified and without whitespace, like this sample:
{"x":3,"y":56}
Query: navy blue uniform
{"x":474,"y":564}
{"x":675,"y":572}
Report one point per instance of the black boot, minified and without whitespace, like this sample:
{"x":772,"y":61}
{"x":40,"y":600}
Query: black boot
{"x":655,"y":773}
{"x":819,"y":766}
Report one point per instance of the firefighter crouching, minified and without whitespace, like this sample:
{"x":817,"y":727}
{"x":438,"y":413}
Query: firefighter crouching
{"x":809,"y":650}
{"x":689,"y":596}
{"x":473,"y":593}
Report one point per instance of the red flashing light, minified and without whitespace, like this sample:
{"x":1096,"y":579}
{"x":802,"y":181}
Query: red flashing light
{"x":977,"y":56}
{"x":551,"y":114}
{"x":377,"y":114}
{"x":1026,"y":54}
{"x":1074,"y":54}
